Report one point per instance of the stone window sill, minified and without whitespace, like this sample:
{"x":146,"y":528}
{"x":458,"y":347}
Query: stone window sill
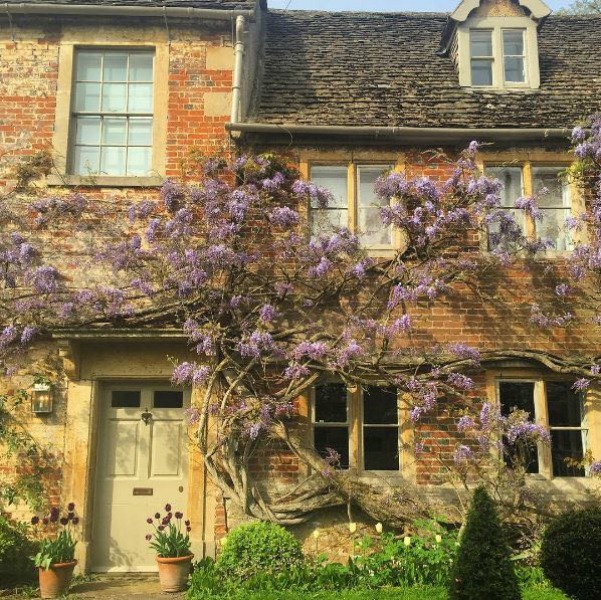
{"x":104,"y":181}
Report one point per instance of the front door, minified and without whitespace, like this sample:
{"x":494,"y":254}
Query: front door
{"x":142,"y":466}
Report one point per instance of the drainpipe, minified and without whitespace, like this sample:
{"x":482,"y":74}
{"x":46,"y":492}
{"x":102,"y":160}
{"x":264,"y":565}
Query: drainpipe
{"x":238,"y":61}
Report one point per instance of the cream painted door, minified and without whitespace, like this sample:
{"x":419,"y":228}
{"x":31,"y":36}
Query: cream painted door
{"x":142,"y":465}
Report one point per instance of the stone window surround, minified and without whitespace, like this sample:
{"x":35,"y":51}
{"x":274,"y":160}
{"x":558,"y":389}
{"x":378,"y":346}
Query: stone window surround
{"x":497,"y":24}
{"x":62,"y":139}
{"x":527,"y":161}
{"x":406,"y":471}
{"x":352,"y":159}
{"x":592,"y":410}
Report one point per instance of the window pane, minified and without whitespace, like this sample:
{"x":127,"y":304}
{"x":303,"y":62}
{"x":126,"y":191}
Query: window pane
{"x":115,"y":67}
{"x":140,"y":132}
{"x":325,"y":220}
{"x":511,"y":178}
{"x":87,"y":97}
{"x":113,"y":132}
{"x":168,"y":399}
{"x":381,"y":449}
{"x":480,"y":42}
{"x":558,"y":190}
{"x":552,"y":228}
{"x":138,"y":161}
{"x":86,"y":160}
{"x":125,"y":399}
{"x":564,"y":405}
{"x":88,"y":66}
{"x":331,"y":403}
{"x":367,"y":182}
{"x":112,"y":161}
{"x":517,"y":394}
{"x":481,"y":72}
{"x":113,"y":97}
{"x":140,"y":67}
{"x":520,"y":395}
{"x":334,"y":179}
{"x":380,"y":406}
{"x":567,"y":445}
{"x":371,"y":229}
{"x":87,"y":131}
{"x":514,"y":69}
{"x":336,"y":438}
{"x":140,"y":98}
{"x":513,"y":42}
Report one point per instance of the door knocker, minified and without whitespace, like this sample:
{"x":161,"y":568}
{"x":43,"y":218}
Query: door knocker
{"x":146,"y":416}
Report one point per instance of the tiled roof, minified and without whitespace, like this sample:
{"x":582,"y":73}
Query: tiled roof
{"x":223,"y":4}
{"x":382,"y":70}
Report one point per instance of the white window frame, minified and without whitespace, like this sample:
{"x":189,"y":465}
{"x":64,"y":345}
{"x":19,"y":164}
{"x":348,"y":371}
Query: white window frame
{"x":73,"y":40}
{"x":569,"y":195}
{"x":497,"y":25}
{"x":128,"y":115}
{"x":356,"y":425}
{"x":353,"y":170}
{"x":541,"y":417}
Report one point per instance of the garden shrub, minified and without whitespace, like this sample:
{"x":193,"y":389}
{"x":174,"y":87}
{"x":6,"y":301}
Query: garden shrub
{"x":483,"y":568}
{"x":16,"y":566}
{"x":570,"y":553}
{"x":259,"y":547}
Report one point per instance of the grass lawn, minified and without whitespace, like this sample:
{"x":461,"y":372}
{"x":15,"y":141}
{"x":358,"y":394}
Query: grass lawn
{"x":429,"y":593}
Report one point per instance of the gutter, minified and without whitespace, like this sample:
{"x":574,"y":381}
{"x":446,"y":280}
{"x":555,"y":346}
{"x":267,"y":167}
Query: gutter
{"x":404,"y":134}
{"x":126,"y":11}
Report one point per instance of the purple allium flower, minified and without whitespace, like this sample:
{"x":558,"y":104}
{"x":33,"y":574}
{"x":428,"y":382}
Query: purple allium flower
{"x":75,"y":520}
{"x":188,"y":529}
{"x":187,"y":523}
{"x":71,"y":506}
{"x":45,"y":521}
{"x":178,"y":515}
{"x":168,"y":507}
{"x":54,"y":514}
{"x":149,"y":520}
{"x":71,"y":516}
{"x":157,"y":515}
{"x":64,"y":521}
{"x":161,"y":528}
{"x":35,"y":520}
{"x":148,"y":537}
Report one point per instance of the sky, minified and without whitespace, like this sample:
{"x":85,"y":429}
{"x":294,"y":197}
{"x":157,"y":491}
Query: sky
{"x":383,"y":5}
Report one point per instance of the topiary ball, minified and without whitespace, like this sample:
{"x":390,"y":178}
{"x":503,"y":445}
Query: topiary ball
{"x":570,"y":553}
{"x":259,"y":547}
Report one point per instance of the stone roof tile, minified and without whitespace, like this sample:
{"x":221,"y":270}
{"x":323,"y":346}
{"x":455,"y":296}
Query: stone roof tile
{"x":382,"y":69}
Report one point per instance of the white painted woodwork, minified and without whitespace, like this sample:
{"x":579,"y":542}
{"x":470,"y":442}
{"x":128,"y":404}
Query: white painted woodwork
{"x":134,"y":455}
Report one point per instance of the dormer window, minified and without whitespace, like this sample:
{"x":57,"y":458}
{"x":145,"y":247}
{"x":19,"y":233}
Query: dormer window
{"x":497,"y":57}
{"x":494,"y":44}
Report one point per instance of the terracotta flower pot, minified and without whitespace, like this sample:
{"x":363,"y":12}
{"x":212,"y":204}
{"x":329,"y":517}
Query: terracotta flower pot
{"x":174,"y":572}
{"x":55,"y":581}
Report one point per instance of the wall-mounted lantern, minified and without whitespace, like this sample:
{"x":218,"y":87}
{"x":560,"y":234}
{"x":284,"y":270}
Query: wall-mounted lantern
{"x":42,"y":398}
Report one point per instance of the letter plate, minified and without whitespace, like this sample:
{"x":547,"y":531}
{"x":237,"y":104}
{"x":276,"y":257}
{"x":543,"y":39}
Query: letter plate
{"x":143,"y":491}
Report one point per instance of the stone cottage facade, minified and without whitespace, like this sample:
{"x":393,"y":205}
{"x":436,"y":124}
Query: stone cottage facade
{"x":123,"y":91}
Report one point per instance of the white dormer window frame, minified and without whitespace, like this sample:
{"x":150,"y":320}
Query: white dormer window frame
{"x":499,"y":54}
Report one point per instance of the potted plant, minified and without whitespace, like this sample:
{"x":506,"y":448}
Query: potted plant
{"x":171,"y":542}
{"x":56,"y":558}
